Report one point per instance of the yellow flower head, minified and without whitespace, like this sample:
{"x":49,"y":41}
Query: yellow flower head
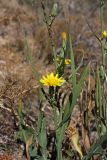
{"x":52,"y":80}
{"x":104,"y":34}
{"x":64,"y":36}
{"x":67,"y":61}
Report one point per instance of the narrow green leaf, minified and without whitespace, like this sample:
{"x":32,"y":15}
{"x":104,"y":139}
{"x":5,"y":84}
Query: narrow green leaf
{"x":24,"y":133}
{"x":96,"y":147}
{"x":30,"y":58}
{"x":73,"y":68}
{"x":39,"y":123}
{"x":60,"y":132}
{"x":76,"y":93}
{"x":99,"y":95}
{"x":42,"y":135}
{"x":80,"y":85}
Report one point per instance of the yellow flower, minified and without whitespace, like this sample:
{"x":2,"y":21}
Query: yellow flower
{"x":104,"y":34}
{"x":67,"y":61}
{"x":52,"y":80}
{"x":64,"y":36}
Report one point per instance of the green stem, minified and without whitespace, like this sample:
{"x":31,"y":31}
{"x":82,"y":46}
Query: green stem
{"x":102,"y":28}
{"x":49,"y":28}
{"x":101,"y":14}
{"x":59,"y":153}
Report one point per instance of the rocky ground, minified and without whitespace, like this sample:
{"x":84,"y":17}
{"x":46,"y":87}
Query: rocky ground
{"x":21,"y":24}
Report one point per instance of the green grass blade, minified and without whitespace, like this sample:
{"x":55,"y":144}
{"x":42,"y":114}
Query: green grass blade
{"x":96,"y":147}
{"x":100,"y":95}
{"x":73,"y":68}
{"x":60,"y":132}
{"x":42,"y":135}
{"x":76,"y":93}
{"x":30,"y":59}
{"x":79,"y":86}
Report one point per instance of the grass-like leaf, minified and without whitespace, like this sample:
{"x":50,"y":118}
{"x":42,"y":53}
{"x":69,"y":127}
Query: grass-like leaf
{"x":96,"y":147}
{"x":73,"y":100}
{"x":73,"y":68}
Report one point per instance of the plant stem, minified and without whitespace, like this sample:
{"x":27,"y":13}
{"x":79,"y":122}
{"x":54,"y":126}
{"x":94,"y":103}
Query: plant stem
{"x":102,"y":28}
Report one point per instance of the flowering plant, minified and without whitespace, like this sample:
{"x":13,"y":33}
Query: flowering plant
{"x":52,"y":80}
